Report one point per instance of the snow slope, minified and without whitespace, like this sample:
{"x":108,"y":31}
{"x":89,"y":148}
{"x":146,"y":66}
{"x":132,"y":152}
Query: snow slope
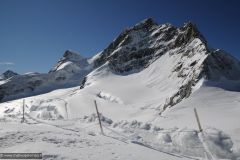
{"x":133,"y":120}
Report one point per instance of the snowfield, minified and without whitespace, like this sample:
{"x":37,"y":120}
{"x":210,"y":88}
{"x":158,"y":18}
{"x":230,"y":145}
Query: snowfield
{"x":63,"y":124}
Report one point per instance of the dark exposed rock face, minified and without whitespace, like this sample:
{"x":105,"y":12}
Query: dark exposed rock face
{"x":220,"y":64}
{"x":139,"y":46}
{"x":8,"y":74}
{"x":35,"y":83}
{"x":83,"y":83}
{"x":2,"y":93}
{"x":133,"y":61}
{"x":187,"y":33}
{"x":184,"y":92}
{"x":128,"y":50}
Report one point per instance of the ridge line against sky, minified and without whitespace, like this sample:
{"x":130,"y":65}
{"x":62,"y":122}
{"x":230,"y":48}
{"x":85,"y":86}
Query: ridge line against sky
{"x":35,"y":33}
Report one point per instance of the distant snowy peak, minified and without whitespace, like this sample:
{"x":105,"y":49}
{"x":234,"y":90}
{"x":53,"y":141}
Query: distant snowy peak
{"x":68,"y":72}
{"x":71,"y":61}
{"x":8,"y":74}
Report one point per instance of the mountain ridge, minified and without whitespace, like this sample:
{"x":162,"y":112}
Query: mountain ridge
{"x":134,"y":50}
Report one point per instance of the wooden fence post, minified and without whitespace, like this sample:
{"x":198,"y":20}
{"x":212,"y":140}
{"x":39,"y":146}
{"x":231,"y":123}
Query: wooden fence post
{"x":23,"y":111}
{"x":198,"y":121}
{"x":99,"y":120}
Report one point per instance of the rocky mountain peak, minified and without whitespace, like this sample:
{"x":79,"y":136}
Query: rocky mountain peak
{"x":71,"y":56}
{"x":145,"y":24}
{"x":8,"y":74}
{"x":136,"y":47}
{"x":190,"y":59}
{"x":191,"y":31}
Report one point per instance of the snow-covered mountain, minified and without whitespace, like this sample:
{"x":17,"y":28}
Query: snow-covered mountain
{"x":171,"y":59}
{"x":146,"y":84}
{"x":70,"y":62}
{"x":68,"y":72}
{"x":185,"y":55}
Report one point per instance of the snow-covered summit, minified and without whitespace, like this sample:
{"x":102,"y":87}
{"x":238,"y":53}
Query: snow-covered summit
{"x":175,"y":57}
{"x":140,"y":45}
{"x":71,"y":60}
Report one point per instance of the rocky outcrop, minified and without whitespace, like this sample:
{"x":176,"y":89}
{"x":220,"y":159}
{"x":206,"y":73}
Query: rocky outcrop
{"x":139,"y":46}
{"x":8,"y":74}
{"x":220,"y":64}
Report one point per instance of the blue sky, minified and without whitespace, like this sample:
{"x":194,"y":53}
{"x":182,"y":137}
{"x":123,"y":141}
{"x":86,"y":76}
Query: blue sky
{"x":35,"y":33}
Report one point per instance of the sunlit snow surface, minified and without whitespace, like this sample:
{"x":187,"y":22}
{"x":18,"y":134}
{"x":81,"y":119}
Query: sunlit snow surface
{"x":63,"y":124}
